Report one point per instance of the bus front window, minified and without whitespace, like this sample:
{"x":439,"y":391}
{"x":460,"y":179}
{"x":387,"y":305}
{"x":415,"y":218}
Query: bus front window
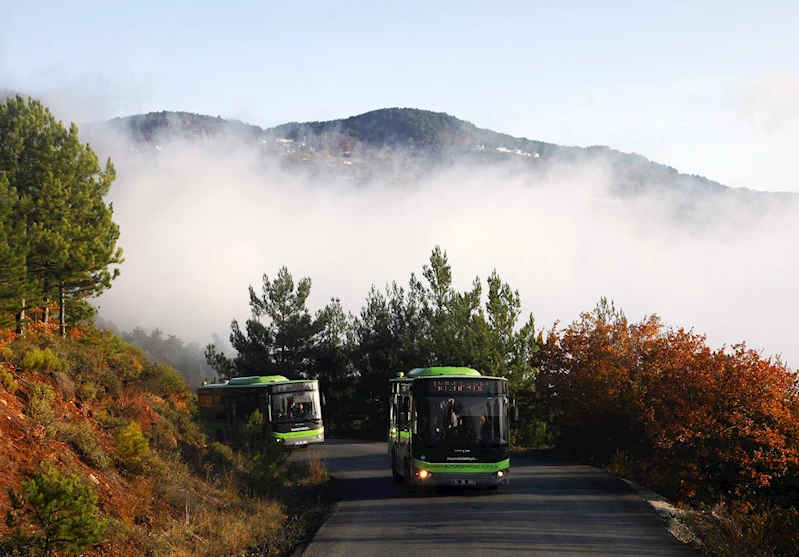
{"x":295,"y":406}
{"x":461,"y":420}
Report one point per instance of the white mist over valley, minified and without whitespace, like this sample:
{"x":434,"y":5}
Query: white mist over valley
{"x":201,"y":223}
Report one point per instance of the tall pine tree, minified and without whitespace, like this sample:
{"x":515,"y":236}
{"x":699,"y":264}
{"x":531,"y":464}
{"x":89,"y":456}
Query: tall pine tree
{"x":58,"y":188}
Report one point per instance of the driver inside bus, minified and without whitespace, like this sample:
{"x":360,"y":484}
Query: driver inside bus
{"x":451,"y":423}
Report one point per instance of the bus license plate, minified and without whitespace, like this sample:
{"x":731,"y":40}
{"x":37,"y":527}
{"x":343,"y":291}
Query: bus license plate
{"x":462,"y":482}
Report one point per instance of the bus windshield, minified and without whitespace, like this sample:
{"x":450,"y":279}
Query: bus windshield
{"x":461,"y":420}
{"x":302,"y":405}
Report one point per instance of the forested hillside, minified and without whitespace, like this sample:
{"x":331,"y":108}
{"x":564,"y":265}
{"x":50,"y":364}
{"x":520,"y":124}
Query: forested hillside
{"x":428,"y":141}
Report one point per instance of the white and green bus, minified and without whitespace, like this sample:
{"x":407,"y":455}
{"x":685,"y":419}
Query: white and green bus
{"x":449,"y":426}
{"x":291,"y":409}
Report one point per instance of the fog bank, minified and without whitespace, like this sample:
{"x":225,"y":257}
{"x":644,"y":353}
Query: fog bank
{"x":200,"y":224}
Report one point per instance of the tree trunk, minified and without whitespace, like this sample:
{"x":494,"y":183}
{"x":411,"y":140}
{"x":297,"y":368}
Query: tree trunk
{"x":46,"y":301}
{"x":61,"y":314}
{"x":21,"y":319}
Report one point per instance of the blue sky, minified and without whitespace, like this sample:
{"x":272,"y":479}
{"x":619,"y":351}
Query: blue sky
{"x":711,"y":88}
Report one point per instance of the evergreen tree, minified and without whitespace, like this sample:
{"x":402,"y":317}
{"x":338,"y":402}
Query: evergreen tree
{"x":278,"y":338}
{"x":59,"y":189}
{"x":13,"y":274}
{"x":63,"y":508}
{"x":289,"y":321}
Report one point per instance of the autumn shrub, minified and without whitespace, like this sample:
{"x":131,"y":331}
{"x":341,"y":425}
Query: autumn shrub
{"x":55,"y":511}
{"x":82,"y":437}
{"x":693,"y":422}
{"x":729,"y":529}
{"x":133,"y":447}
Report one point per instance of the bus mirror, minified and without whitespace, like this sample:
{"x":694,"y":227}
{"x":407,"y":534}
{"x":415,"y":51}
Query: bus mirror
{"x":515,"y":414}
{"x":324,"y":402}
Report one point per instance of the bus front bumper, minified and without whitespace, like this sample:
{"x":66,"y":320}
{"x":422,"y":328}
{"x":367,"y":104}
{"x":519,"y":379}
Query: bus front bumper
{"x":422,"y":477}
{"x":294,"y":440}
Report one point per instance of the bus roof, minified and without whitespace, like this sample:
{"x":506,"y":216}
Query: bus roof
{"x":257,"y":381}
{"x":439,"y":371}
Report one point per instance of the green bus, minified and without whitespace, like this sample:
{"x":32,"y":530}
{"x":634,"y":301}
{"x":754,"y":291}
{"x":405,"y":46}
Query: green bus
{"x":291,"y":409}
{"x":449,"y":426}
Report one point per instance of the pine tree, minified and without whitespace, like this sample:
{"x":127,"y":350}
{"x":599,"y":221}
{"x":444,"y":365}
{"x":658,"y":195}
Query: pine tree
{"x":63,"y":508}
{"x":69,"y":233}
{"x":13,"y":274}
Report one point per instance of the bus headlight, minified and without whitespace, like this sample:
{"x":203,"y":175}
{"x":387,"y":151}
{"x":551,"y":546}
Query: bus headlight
{"x":424,"y":474}
{"x":502,"y":473}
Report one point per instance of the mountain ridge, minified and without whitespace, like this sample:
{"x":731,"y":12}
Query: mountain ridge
{"x":429,"y":137}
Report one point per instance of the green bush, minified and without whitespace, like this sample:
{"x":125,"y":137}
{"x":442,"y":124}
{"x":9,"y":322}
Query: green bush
{"x":7,"y":379}
{"x":268,"y":467}
{"x":111,"y":422}
{"x":84,"y":440}
{"x":164,"y":381}
{"x":267,"y":460}
{"x":126,"y":365}
{"x":111,"y":385}
{"x":86,"y":390}
{"x":162,"y":436}
{"x":40,"y":406}
{"x":182,"y":421}
{"x":42,"y":360}
{"x":133,"y":447}
{"x":220,"y":454}
{"x":62,"y":508}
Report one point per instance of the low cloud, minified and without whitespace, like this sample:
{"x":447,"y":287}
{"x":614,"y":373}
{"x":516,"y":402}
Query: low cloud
{"x":200,"y":224}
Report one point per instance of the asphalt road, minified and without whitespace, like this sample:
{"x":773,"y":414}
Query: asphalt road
{"x":550,"y":508}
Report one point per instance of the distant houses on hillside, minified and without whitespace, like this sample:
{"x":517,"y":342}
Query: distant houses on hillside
{"x":509,"y":151}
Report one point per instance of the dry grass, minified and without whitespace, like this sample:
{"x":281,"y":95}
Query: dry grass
{"x":317,"y":470}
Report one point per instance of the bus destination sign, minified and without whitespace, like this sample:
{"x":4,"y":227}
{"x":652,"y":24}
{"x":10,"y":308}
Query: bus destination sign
{"x":465,"y":386}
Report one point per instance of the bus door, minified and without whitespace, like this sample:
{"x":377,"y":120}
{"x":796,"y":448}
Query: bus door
{"x":404,"y":431}
{"x":394,"y":430}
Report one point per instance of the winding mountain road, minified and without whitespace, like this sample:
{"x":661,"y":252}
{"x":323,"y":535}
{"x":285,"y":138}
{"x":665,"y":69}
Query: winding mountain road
{"x":550,"y":508}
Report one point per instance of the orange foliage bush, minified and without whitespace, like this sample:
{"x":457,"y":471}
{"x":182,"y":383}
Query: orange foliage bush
{"x":700,"y":423}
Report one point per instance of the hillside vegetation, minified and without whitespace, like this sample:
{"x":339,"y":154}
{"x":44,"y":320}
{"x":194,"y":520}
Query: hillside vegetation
{"x":88,"y":414}
{"x":100,"y":449}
